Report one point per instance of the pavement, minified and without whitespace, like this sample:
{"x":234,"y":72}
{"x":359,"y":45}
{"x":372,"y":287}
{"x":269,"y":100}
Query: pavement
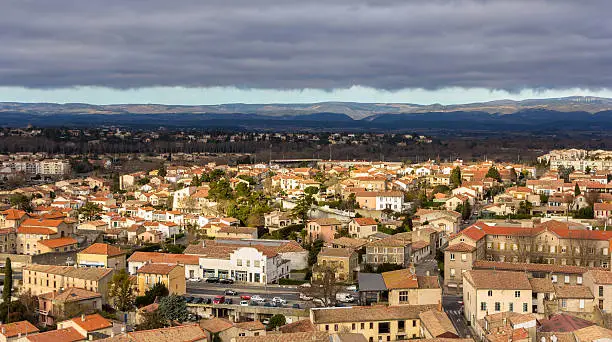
{"x":454,"y":310}
{"x":428,"y":264}
{"x":203,"y":289}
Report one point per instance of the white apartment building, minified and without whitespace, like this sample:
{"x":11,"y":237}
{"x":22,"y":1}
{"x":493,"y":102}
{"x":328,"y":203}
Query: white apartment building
{"x":381,"y":200}
{"x":254,"y":264}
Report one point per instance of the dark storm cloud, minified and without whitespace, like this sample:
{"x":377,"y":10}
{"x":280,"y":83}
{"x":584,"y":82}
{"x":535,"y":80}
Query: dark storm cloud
{"x":388,"y":44}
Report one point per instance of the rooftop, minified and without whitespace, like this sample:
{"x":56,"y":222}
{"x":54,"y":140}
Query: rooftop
{"x":87,"y":273}
{"x":63,"y":335}
{"x":93,"y":322}
{"x":102,"y":249}
{"x":16,"y":328}
{"x":497,"y":280}
{"x":153,"y":268}
{"x":368,"y":313}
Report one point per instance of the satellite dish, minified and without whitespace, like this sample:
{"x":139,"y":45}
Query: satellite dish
{"x":553,"y":338}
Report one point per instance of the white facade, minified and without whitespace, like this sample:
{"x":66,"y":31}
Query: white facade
{"x":246,"y":264}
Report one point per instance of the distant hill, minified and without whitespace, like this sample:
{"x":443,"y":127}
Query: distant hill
{"x":353,"y":110}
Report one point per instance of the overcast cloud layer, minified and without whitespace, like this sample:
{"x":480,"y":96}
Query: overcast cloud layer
{"x":295,"y":44}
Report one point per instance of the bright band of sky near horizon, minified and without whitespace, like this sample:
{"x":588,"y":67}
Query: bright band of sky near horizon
{"x":221,"y":95}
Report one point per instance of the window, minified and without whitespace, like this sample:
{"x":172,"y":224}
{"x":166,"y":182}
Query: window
{"x":490,"y":293}
{"x":554,"y":278}
{"x":371,"y":325}
{"x":452,"y":256}
{"x":401,"y":325}
{"x":242,"y":334}
{"x":353,"y":326}
{"x":579,"y":280}
{"x":414,"y":323}
{"x":483,"y":306}
{"x":257,"y":263}
{"x":489,"y":245}
{"x":403,"y":295}
{"x":362,"y":326}
{"x":563,"y":249}
{"x":517,"y":294}
{"x":497,"y":306}
{"x":525,"y":307}
{"x":463,"y":257}
{"x":335,"y":327}
{"x":582,"y":303}
{"x":564,"y":303}
{"x":384,"y":327}
{"x":601,"y":291}
{"x":452,"y":272}
{"x":605,"y":251}
{"x":326,"y":327}
{"x":248,"y":263}
{"x":510,"y":306}
{"x":567,"y":279}
{"x":239,"y":262}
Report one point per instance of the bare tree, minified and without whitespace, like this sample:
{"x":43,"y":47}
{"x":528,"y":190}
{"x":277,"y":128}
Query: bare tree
{"x":324,"y":285}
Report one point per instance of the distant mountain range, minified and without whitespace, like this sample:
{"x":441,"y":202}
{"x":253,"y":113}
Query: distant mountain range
{"x":569,"y":113}
{"x":354,"y":110}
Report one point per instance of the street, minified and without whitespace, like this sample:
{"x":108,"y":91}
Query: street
{"x":454,"y":310}
{"x":203,"y":289}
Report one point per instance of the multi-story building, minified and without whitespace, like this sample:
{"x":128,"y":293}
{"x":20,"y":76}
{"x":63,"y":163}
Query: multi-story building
{"x":173,"y":276}
{"x":322,"y":229}
{"x":189,"y":262}
{"x":12,"y":332}
{"x":343,"y":261}
{"x":394,"y":249}
{"x":406,"y":288}
{"x":33,"y":230}
{"x":486,"y":292}
{"x":256,"y":263}
{"x":57,"y":304}
{"x":362,"y":227}
{"x":102,"y":255}
{"x":464,"y":248}
{"x":375,"y":323}
{"x":44,"y":278}
{"x":600,"y":284}
{"x":380,"y":200}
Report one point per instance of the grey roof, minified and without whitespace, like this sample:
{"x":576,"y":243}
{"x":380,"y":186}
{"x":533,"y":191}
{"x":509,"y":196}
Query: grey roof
{"x":371,"y":282}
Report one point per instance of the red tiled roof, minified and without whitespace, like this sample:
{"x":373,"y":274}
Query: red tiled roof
{"x":35,"y":230}
{"x":164,"y":258}
{"x":59,"y":242}
{"x":103,"y":249}
{"x":41,"y":223}
{"x":460,"y":247}
{"x":157,"y":268}
{"x":63,"y":335}
{"x":473,"y":232}
{"x":16,"y":328}
{"x":92,"y":322}
{"x":13,"y":214}
{"x":365,"y":221}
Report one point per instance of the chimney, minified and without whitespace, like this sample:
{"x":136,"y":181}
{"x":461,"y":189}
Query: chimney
{"x":3,"y":330}
{"x":82,"y":317}
{"x":427,"y":273}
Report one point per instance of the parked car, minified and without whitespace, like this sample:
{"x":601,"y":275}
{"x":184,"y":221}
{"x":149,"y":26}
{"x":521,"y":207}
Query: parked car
{"x":230,"y":292}
{"x":212,"y":280}
{"x":193,"y":280}
{"x":198,"y":300}
{"x":219,"y":300}
{"x":345,"y":297}
{"x":268,"y":305}
{"x":189,"y":299}
{"x":228,"y":301}
{"x":305,"y":297}
{"x":252,"y":303}
{"x":352,"y":288}
{"x":258,"y":299}
{"x":207,"y":300}
{"x":278,"y":300}
{"x":244,"y":303}
{"x":226,"y":281}
{"x":245,"y":297}
{"x":295,"y":306}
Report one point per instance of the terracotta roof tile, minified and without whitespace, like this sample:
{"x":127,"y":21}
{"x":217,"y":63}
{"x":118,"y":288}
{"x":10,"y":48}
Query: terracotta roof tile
{"x":71,"y":294}
{"x":365,"y":221}
{"x":437,"y":323}
{"x":250,"y":326}
{"x":311,"y":336}
{"x":400,"y":279}
{"x":157,"y":268}
{"x":64,"y":335}
{"x":215,"y":325}
{"x":164,"y":258}
{"x":182,"y":333}
{"x":103,"y":249}
{"x":93,"y":322}
{"x":59,"y":242}
{"x":460,"y":247}
{"x":368,"y":313}
{"x":299,"y":326}
{"x":498,"y":280}
{"x":336,"y":252}
{"x":16,"y":328}
{"x":88,"y":273}
{"x":573,"y":291}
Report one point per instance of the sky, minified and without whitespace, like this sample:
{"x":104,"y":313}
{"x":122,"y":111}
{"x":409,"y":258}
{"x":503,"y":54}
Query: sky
{"x":295,"y":51}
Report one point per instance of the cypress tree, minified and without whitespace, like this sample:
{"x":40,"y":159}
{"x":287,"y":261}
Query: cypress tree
{"x":7,"y":292}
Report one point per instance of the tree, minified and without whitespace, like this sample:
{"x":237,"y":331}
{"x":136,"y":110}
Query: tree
{"x":576,"y":190}
{"x":243,"y":190}
{"x":525,"y":208}
{"x":302,"y":208}
{"x":157,"y":291}
{"x":90,"y":211}
{"x":220,"y":190}
{"x":162,"y":171}
{"x":195,"y":181}
{"x":324,"y":286}
{"x":173,"y":308}
{"x":455,"y":177}
{"x":7,"y":292}
{"x":276,"y":321}
{"x":466,"y":210}
{"x":543,"y":198}
{"x":21,"y":202}
{"x":311,"y":190}
{"x":152,"y":320}
{"x":493,"y":173}
{"x":120,"y":291}
{"x":587,"y":170}
{"x":585,"y":213}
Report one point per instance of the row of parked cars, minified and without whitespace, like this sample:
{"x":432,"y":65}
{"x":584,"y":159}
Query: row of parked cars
{"x":245,"y":300}
{"x":212,"y":280}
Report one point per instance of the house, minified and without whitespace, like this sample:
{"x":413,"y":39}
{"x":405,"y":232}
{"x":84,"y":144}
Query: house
{"x":12,"y":218}
{"x":89,"y":326}
{"x":229,"y":331}
{"x":362,"y":227}
{"x":603,"y":211}
{"x":56,"y":304}
{"x":64,"y":244}
{"x":375,"y":323}
{"x":486,"y":292}
{"x":464,"y":248}
{"x":64,"y":335}
{"x":406,"y":288}
{"x":173,"y":276}
{"x":189,"y":262}
{"x":102,"y":255}
{"x":322,"y":229}
{"x":181,"y":333}
{"x":277,"y":219}
{"x":600,"y":284}
{"x":380,"y":200}
{"x":456,"y":200}
{"x":574,"y":298}
{"x":395,"y":249}
{"x":33,"y":230}
{"x":254,"y":263}
{"x":48,"y":278}
{"x":12,"y":332}
{"x":344,"y":262}
{"x":507,"y":326}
